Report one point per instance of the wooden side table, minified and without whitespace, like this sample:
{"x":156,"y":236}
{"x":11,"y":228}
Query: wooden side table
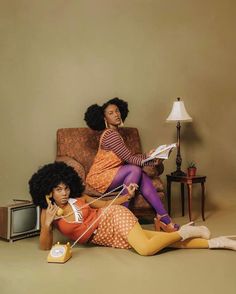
{"x":189,"y":181}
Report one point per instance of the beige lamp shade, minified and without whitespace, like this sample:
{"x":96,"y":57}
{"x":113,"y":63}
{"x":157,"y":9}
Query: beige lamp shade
{"x":178,"y":112}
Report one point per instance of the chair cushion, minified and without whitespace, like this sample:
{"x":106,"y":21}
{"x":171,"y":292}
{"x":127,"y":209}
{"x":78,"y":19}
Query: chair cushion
{"x":91,"y":191}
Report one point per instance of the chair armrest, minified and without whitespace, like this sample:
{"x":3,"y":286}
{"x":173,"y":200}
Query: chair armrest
{"x":160,"y":168}
{"x":78,"y":167}
{"x":95,"y":194}
{"x":158,"y":184}
{"x":154,"y":171}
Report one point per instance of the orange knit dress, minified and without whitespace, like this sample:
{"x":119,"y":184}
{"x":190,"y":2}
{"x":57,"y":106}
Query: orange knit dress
{"x":111,"y":155}
{"x":105,"y":166}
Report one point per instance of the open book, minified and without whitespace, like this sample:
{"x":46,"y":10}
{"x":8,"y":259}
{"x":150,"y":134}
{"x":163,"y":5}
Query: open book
{"x":162,"y":152}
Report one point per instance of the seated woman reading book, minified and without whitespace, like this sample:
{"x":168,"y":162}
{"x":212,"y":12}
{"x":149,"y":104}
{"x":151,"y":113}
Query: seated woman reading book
{"x":114,"y":164}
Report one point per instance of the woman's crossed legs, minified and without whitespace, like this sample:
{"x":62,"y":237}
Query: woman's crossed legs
{"x":129,"y":174}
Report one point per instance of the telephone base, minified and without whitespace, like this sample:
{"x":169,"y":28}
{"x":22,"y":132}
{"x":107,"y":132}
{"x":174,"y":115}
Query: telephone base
{"x":59,"y":253}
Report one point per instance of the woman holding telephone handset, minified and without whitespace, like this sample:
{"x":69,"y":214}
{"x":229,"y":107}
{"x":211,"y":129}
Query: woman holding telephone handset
{"x":61,"y":185}
{"x":101,"y":223}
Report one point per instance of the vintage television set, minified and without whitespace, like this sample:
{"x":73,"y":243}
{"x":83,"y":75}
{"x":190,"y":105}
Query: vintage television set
{"x":19,"y":220}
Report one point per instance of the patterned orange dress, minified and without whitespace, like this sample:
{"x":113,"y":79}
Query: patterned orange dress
{"x":109,"y":226}
{"x":105,"y":166}
{"x":114,"y":227}
{"x":111,"y":155}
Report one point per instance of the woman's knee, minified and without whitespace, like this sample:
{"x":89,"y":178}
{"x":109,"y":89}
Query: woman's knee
{"x":143,"y":250}
{"x":139,"y":241}
{"x":135,"y":170}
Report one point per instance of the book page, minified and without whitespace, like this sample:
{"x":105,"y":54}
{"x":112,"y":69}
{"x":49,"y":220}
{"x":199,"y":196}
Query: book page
{"x":162,"y":152}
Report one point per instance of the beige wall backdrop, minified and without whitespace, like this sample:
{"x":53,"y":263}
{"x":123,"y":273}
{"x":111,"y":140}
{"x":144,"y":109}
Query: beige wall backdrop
{"x":57,"y":57}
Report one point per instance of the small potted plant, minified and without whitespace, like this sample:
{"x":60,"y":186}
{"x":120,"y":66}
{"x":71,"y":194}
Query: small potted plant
{"x":192,"y":169}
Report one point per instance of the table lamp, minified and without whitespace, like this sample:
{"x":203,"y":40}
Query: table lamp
{"x":178,"y":114}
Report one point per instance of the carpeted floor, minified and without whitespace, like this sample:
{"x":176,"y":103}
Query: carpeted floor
{"x":23,"y":267}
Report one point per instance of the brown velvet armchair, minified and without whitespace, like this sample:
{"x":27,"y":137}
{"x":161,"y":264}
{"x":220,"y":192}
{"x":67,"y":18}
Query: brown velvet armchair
{"x":78,"y":146}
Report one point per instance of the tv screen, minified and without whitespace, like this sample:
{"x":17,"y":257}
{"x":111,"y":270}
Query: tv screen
{"x":24,"y":219}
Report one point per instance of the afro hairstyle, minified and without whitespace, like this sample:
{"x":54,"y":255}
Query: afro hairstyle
{"x":50,"y":176}
{"x":94,"y":116}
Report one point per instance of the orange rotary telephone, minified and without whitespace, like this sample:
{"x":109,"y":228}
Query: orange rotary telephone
{"x":59,"y":253}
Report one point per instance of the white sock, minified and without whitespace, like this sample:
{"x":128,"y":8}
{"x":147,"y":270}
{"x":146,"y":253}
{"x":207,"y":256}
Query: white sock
{"x":187,"y":232}
{"x":222,"y":242}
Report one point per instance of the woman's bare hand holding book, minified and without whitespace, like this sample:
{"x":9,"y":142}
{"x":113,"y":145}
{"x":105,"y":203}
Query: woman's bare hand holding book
{"x":161,"y":152}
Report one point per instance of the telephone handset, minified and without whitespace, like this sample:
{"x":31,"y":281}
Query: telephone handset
{"x":59,"y":210}
{"x":58,"y":253}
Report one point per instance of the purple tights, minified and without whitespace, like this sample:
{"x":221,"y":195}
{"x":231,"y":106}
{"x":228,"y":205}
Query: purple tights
{"x":128,"y":174}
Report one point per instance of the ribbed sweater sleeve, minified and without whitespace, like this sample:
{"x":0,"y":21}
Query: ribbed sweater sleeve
{"x":113,"y":141}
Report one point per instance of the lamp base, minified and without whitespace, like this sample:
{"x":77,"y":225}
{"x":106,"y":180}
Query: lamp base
{"x":178,"y":173}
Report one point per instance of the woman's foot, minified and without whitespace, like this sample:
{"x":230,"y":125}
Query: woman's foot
{"x":223,"y":242}
{"x":164,"y":223}
{"x":188,"y":231}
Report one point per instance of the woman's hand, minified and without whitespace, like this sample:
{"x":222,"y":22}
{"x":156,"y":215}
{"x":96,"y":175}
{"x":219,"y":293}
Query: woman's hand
{"x":131,"y":190}
{"x":150,"y":152}
{"x":50,"y":214}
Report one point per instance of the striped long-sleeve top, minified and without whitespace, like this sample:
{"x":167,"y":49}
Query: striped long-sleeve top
{"x":112,"y":141}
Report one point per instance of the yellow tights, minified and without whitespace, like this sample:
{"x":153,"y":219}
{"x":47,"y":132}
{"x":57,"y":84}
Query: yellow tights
{"x":150,"y":242}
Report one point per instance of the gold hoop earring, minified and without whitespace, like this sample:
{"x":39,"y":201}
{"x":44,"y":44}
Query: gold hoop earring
{"x":106,"y":124}
{"x":121,"y":124}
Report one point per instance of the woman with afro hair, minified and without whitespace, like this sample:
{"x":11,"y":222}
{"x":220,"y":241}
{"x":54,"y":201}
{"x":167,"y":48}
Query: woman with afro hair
{"x":114,"y":164}
{"x":85,"y":219}
{"x":60,"y":183}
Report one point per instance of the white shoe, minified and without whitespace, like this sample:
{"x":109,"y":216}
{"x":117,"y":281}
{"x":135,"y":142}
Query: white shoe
{"x":188,"y":231}
{"x":223,"y":242}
